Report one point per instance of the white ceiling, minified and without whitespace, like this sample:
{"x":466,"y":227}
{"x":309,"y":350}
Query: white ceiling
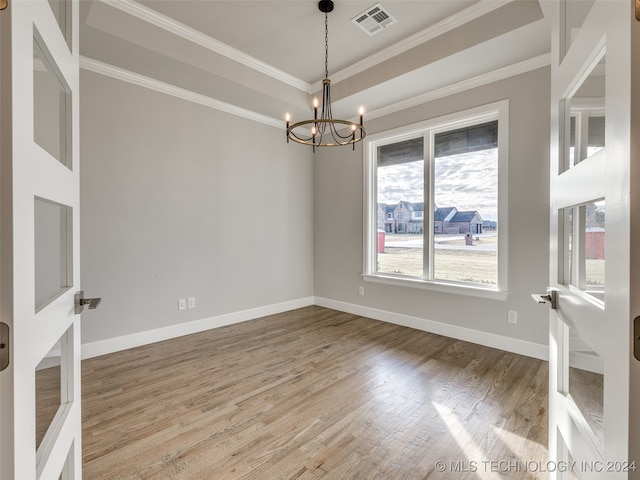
{"x":289,"y":35}
{"x":268,"y":56}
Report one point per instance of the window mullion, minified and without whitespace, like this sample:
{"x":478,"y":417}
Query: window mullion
{"x":428,"y":230}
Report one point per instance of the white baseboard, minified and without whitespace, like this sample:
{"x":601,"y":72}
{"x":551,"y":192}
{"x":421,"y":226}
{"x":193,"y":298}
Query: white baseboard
{"x":509,"y":344}
{"x":111,"y":345}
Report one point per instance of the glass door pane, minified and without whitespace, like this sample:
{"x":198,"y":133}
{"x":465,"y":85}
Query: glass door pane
{"x":51,"y":106}
{"x":586,"y":118}
{"x":53,"y":269}
{"x":52,"y":385}
{"x":584,"y":237}
{"x":48,"y":392}
{"x":62,"y":11}
{"x":573,"y":13}
{"x":586,"y":383}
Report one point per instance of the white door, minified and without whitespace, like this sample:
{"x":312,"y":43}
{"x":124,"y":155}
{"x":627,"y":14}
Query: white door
{"x":594,"y":378}
{"x":40,"y":422}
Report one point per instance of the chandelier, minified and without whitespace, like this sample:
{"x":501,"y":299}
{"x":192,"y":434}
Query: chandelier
{"x":326,"y":131}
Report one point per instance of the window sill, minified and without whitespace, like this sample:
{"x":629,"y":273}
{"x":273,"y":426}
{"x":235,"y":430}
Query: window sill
{"x":438,"y":286}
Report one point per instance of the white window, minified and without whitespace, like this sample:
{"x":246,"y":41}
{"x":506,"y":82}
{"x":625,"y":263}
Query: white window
{"x":456,"y":166}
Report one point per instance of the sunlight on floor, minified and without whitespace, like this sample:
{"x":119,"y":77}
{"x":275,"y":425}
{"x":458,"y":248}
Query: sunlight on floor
{"x":515,"y":443}
{"x":465,"y":441}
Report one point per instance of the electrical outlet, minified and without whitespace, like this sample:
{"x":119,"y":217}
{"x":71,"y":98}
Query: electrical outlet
{"x":182,"y":304}
{"x":191,"y":302}
{"x":512,"y":317}
{"x":361,"y":291}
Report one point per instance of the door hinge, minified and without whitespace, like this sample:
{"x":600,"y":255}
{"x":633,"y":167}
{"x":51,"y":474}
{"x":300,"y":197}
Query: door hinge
{"x":636,"y":338}
{"x":4,"y":346}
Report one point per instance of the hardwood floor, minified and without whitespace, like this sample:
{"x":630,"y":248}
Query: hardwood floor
{"x":312,"y":394}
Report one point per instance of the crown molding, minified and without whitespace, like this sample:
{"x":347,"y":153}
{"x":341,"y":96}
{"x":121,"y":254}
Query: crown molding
{"x":153,"y":84}
{"x":473,"y":82}
{"x":170,"y":25}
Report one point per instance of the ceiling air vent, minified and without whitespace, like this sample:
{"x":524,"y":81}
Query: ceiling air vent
{"x":374,"y":19}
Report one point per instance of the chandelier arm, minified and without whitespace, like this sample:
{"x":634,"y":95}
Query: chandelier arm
{"x":326,"y":144}
{"x":337,"y":134}
{"x":326,"y":95}
{"x":299,"y":139}
{"x":339,"y":139}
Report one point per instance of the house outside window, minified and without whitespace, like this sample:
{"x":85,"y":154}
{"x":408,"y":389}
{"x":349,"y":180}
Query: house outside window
{"x":450,"y":174}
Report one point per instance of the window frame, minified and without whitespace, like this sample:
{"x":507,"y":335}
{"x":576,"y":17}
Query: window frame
{"x":428,"y":129}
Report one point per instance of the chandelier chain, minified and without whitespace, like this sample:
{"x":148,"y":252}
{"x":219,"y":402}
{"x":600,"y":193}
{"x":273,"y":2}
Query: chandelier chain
{"x":326,"y":46}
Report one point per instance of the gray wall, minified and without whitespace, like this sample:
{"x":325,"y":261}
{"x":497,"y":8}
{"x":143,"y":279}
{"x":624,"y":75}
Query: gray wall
{"x":180,"y":200}
{"x":338,"y":205}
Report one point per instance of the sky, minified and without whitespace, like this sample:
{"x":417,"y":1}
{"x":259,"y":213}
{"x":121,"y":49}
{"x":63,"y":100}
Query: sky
{"x":468,"y":182}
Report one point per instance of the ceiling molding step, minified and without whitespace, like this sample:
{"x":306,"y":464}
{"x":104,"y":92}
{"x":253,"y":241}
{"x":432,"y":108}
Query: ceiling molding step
{"x":477,"y":81}
{"x":167,"y":23}
{"x":153,"y":84}
{"x":434,"y":31}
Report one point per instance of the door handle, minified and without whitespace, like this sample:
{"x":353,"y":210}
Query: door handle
{"x":551,"y":297}
{"x":5,"y":339}
{"x":81,"y":302}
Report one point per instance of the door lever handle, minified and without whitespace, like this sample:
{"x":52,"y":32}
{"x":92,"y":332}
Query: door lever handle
{"x":551,"y":297}
{"x":81,"y":302}
{"x":91,"y":302}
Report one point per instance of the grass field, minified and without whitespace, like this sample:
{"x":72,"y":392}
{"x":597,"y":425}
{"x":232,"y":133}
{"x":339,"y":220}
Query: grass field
{"x":456,"y":265}
{"x":479,"y":267}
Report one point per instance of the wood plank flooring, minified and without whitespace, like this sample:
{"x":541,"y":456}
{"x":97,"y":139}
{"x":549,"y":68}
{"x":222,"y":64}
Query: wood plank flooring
{"x":312,"y":394}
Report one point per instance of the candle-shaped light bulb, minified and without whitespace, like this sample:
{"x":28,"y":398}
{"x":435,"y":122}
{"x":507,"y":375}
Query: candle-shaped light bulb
{"x":315,"y":108}
{"x":287,"y":119}
{"x":353,"y":127}
{"x":361,"y":115}
{"x":313,"y":131}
